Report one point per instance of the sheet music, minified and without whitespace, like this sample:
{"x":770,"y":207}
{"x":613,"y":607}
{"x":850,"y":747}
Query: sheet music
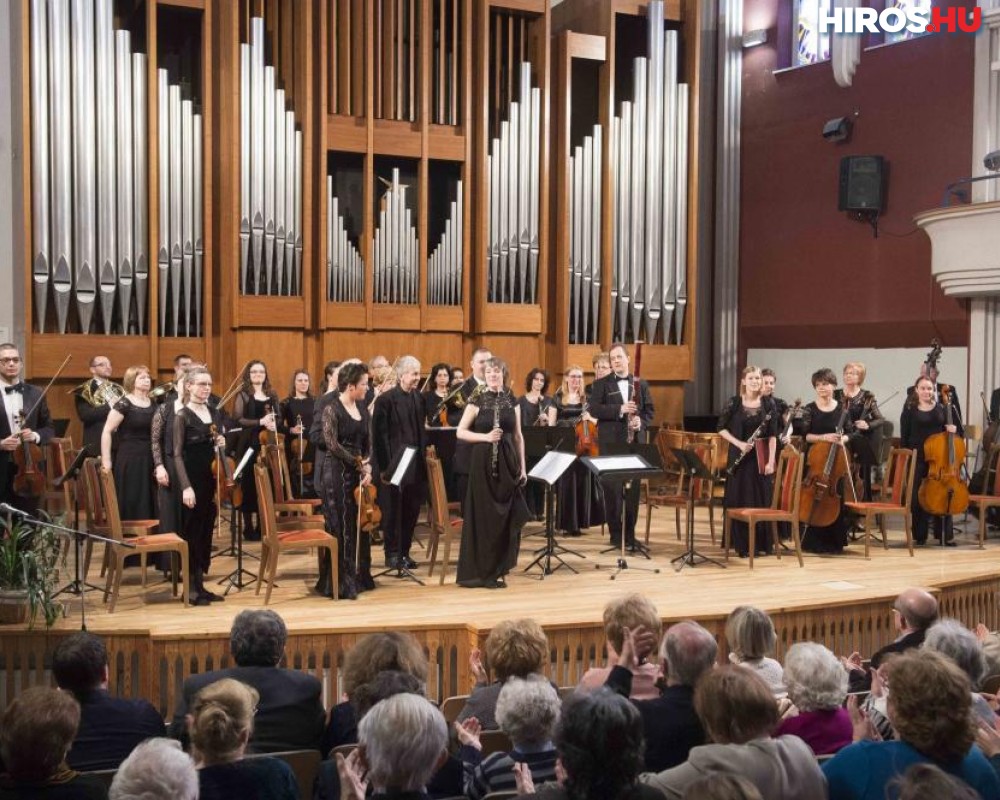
{"x":616,"y":463}
{"x":403,"y":466}
{"x":243,"y":462}
{"x":551,"y":467}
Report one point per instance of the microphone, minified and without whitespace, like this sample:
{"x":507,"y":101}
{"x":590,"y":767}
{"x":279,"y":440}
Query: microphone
{"x":8,"y":509}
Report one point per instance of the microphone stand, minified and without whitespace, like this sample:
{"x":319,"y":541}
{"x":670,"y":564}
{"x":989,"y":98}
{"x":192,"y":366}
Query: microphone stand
{"x":79,"y":583}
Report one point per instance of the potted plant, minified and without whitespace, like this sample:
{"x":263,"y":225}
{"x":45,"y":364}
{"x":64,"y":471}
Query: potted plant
{"x":29,"y":569}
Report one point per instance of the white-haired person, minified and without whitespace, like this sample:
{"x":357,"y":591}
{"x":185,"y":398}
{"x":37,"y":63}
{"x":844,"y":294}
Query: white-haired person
{"x":221,"y":723}
{"x":157,"y":769}
{"x":402,"y":741}
{"x":751,"y":639}
{"x":817,"y":688}
{"x":527,"y":711}
{"x":952,"y":639}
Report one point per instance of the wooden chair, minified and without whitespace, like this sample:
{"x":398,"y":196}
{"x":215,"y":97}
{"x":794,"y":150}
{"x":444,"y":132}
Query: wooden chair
{"x":305,"y":765}
{"x":59,"y":456}
{"x":451,"y":707}
{"x":105,"y":776}
{"x":701,"y":491}
{"x":784,"y":507}
{"x":285,"y":501}
{"x":991,"y":499}
{"x":495,"y":742}
{"x":443,"y":525}
{"x":143,"y":545}
{"x":274,"y":540}
{"x":895,"y":499}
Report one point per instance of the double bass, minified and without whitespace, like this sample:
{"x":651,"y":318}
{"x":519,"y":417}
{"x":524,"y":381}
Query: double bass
{"x":943,"y":492}
{"x":820,"y":501}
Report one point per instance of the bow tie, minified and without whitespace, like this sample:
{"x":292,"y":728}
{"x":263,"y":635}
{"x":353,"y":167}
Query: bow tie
{"x":17,"y":387}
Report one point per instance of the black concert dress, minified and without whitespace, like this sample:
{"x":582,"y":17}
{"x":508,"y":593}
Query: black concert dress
{"x":443,"y":438}
{"x":168,"y":498}
{"x":864,"y":445}
{"x":915,"y":426}
{"x":194,"y":453}
{"x":579,"y":506}
{"x":293,"y":409}
{"x":495,"y":510}
{"x":249,"y":411}
{"x":831,"y":538}
{"x":133,"y":462}
{"x":747,"y":487}
{"x":346,"y":438}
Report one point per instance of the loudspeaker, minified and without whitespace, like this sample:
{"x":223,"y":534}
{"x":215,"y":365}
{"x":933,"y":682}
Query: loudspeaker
{"x":862,"y":183}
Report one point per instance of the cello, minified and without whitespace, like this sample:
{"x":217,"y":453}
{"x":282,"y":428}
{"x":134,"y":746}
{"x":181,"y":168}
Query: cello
{"x":820,"y":501}
{"x":943,"y":492}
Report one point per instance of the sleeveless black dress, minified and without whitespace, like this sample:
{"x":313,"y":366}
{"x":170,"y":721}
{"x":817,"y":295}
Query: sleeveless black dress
{"x":133,"y":462}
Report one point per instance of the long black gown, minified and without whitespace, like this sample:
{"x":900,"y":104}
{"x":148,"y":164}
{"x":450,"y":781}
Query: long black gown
{"x":915,"y":426}
{"x":495,"y":510}
{"x":864,"y":445}
{"x":171,"y":509}
{"x":577,"y":488}
{"x":248,"y":411}
{"x":194,"y":452}
{"x":346,"y":438}
{"x":747,"y":487}
{"x":133,"y":462}
{"x":292,"y":409}
{"x":831,"y":538}
{"x":534,"y":492}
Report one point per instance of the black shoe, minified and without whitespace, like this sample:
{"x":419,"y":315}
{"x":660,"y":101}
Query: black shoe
{"x":198,"y":600}
{"x":409,"y":563}
{"x":212,"y":597}
{"x":951,"y":543}
{"x":393,"y":562}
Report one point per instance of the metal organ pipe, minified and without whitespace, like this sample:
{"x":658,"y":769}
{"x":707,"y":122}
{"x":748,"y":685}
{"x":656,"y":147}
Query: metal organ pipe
{"x":444,"y":267}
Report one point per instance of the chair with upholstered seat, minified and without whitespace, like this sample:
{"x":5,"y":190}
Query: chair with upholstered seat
{"x":443,"y":525}
{"x":991,"y":498}
{"x":700,"y":490}
{"x":784,"y":507}
{"x":895,"y":499}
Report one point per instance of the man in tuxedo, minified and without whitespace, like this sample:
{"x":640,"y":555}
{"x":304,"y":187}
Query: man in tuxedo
{"x":290,"y":713}
{"x":19,"y":398}
{"x":618,"y":408}
{"x":460,"y":467}
{"x":110,"y":727}
{"x":93,"y":417}
{"x":398,"y":423}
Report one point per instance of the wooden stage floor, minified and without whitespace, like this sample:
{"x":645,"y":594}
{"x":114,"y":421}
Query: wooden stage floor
{"x":563,"y":599}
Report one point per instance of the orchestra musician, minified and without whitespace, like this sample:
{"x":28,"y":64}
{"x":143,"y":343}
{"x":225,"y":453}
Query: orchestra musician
{"x":331,"y":374}
{"x":170,"y":507}
{"x":255,"y":410}
{"x":296,"y":420}
{"x":398,"y":423}
{"x":867,"y":421}
{"x":477,"y":380}
{"x":194,"y":453}
{"x":931,"y":371}
{"x":537,"y":410}
{"x":19,"y":398}
{"x":602,"y":367}
{"x":132,"y":464}
{"x":438,"y":388}
{"x":92,"y":406}
{"x":171,"y":391}
{"x":346,"y":427}
{"x":379,"y":373}
{"x":495,"y":507}
{"x":745,"y":415}
{"x":618,"y":408}
{"x":919,"y":421}
{"x":575,"y":487}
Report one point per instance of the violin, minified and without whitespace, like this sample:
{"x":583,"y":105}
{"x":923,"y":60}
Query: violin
{"x":29,"y":480}
{"x":369,"y":514}
{"x":820,"y":499}
{"x":223,"y":469}
{"x":267,"y":436}
{"x":300,"y":446}
{"x":943,"y":492}
{"x":586,"y":436}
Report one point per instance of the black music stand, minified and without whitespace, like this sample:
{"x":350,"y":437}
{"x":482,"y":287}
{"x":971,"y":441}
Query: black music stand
{"x":234,"y":580}
{"x":540,"y":441}
{"x":650,"y":453}
{"x":623,"y":469}
{"x":79,"y":583}
{"x":548,"y":471}
{"x":693,"y":467}
{"x":403,"y":468}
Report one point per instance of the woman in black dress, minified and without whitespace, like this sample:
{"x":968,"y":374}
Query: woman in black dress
{"x":132,"y":417}
{"x":826,"y":420}
{"x":194,"y":452}
{"x":537,"y":411}
{"x":347,"y":436}
{"x":162,"y":432}
{"x":577,"y":487}
{"x":438,"y":388}
{"x":920,"y":420}
{"x":866,"y":421}
{"x":494,"y":501}
{"x":296,"y":417}
{"x":747,"y":487}
{"x":255,"y":410}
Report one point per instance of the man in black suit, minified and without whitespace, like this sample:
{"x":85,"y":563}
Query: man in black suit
{"x":93,"y":417}
{"x":110,"y":727}
{"x":463,"y":450}
{"x":19,"y":398}
{"x":290,"y":713}
{"x":398,"y":423}
{"x":669,"y":721}
{"x":617,"y":407}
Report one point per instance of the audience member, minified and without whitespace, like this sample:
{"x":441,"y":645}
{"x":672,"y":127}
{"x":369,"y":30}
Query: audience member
{"x":913,"y":612}
{"x":928,"y":782}
{"x":402,"y":741}
{"x":954,"y":641}
{"x":599,"y":742}
{"x":750,"y":636}
{"x":220,"y":722}
{"x":516,"y":647}
{"x":36,"y":732}
{"x":527,"y":711}
{"x":290,"y":712}
{"x":817,"y":688}
{"x":110,"y":727}
{"x":630,"y":611}
{"x":670,"y":723}
{"x":739,"y":713}
{"x":720,"y":786}
{"x":374,"y":653}
{"x":929,"y":707}
{"x":157,"y":770}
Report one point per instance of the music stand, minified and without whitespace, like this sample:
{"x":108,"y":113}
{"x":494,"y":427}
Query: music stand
{"x":650,"y":453}
{"x":406,"y":461}
{"x":693,"y":467}
{"x":235,"y":578}
{"x":623,"y":469}
{"x":541,"y":440}
{"x":548,"y":471}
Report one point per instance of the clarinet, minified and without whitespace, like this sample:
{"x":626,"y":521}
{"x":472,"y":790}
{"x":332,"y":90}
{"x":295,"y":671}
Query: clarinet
{"x":752,"y":441}
{"x":495,"y":462}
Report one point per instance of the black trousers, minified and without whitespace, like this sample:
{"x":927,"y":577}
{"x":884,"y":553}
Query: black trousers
{"x":612,"y":491}
{"x":399,"y":516}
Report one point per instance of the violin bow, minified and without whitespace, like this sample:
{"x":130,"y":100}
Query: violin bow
{"x":49,"y":385}
{"x":234,"y":386}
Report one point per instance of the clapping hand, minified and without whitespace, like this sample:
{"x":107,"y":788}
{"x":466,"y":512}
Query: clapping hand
{"x":353,"y":776}
{"x":476,"y":666}
{"x":468,"y":732}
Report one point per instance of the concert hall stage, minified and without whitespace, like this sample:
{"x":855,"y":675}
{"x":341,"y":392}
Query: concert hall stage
{"x":843,"y":601}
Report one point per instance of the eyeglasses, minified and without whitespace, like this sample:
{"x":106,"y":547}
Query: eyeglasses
{"x":10,"y":360}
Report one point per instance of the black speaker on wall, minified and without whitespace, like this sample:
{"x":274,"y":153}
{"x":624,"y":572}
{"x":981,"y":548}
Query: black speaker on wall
{"x":862,"y":183}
